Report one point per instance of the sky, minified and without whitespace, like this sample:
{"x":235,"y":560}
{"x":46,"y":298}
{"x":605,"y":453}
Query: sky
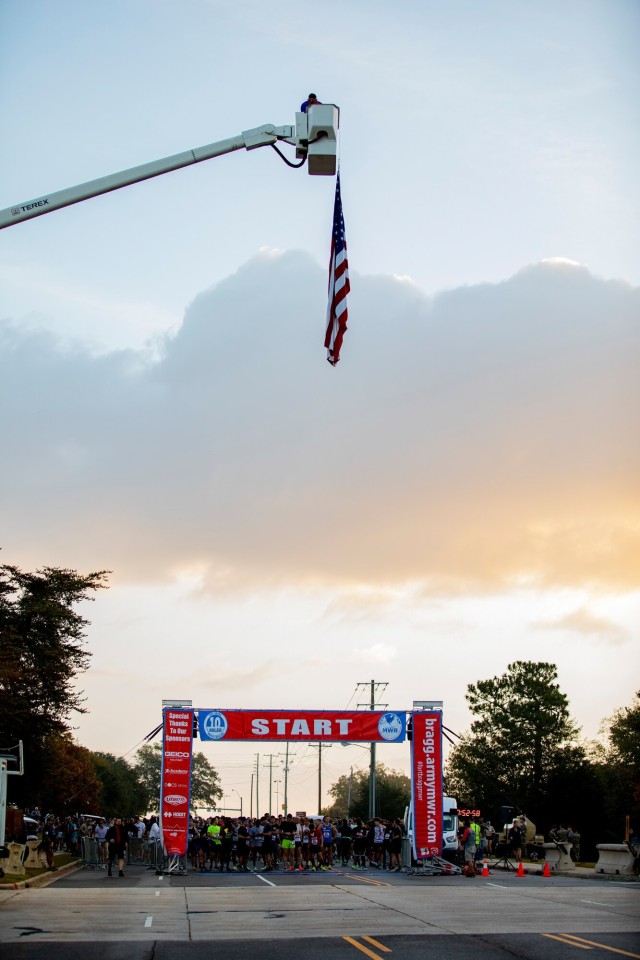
{"x":460,"y":491}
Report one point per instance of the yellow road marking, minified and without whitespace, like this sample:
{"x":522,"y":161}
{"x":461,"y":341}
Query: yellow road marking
{"x":375,"y":883}
{"x":568,"y":942}
{"x":361,"y":946}
{"x":376,"y":943}
{"x":603,"y":946}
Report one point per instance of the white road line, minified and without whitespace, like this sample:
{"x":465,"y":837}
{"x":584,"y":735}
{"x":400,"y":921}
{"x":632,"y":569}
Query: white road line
{"x":157,"y":893}
{"x":148,"y":921}
{"x":597,"y":903}
{"x":502,"y":886}
{"x":264,"y":880}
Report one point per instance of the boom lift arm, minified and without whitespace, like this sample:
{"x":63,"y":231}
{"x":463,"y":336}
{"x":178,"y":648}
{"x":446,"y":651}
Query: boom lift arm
{"x":314,"y":137}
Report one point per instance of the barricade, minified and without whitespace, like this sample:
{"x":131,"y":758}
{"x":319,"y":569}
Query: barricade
{"x":32,"y":861}
{"x":90,"y":854}
{"x":614,"y":859}
{"x":134,"y":853}
{"x":155,"y":855}
{"x":558,"y":856}
{"x":13,"y":864}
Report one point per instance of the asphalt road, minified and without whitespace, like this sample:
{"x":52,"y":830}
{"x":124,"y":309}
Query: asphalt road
{"x":342,"y":915}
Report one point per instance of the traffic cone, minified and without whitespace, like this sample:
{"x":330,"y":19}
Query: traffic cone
{"x":546,"y":872}
{"x":520,"y":872}
{"x":485,"y":869}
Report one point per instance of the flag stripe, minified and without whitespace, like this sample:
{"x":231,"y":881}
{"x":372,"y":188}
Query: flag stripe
{"x":338,"y":283}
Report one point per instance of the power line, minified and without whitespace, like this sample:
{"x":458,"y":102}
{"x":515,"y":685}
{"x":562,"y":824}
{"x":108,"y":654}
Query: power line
{"x":374,"y":686}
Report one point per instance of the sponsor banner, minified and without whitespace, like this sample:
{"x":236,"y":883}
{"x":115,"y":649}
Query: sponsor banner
{"x":292,"y":725}
{"x":175,"y":781}
{"x":426,"y":783}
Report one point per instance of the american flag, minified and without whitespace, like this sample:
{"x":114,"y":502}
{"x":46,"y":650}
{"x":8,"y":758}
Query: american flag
{"x":338,"y":283}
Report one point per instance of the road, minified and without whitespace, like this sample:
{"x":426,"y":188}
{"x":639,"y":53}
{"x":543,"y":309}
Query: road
{"x":342,"y":915}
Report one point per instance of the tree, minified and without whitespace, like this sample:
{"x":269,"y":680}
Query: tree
{"x":619,"y":769}
{"x":205,"y":782}
{"x":122,"y":792}
{"x":351,"y":794}
{"x":41,"y":655}
{"x":69,"y":782}
{"x":522,"y":742}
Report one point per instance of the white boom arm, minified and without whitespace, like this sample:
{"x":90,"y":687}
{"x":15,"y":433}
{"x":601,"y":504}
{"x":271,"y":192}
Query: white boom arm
{"x":314,"y":136}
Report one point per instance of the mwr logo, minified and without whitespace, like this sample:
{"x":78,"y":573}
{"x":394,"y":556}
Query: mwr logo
{"x":391,"y":726}
{"x":175,"y":799}
{"x":213,"y":726}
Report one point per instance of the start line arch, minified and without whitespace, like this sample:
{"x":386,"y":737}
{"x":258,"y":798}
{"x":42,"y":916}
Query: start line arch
{"x":423,"y":727}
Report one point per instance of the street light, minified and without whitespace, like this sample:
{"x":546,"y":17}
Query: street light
{"x":235,"y":791}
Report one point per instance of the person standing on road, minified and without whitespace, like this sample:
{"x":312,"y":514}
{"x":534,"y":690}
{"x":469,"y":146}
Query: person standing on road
{"x":117,"y":839}
{"x":288,"y":842}
{"x":345,"y":842}
{"x":395,"y":846}
{"x":515,"y":840}
{"x":329,"y":834}
{"x":100,"y":834}
{"x":469,"y":847}
{"x":490,"y":836}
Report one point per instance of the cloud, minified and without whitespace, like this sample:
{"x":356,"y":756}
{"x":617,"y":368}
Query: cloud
{"x":584,"y":622}
{"x":467,"y":441}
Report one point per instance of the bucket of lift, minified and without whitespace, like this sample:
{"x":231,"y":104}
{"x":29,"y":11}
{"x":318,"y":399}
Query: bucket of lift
{"x":317,"y":136}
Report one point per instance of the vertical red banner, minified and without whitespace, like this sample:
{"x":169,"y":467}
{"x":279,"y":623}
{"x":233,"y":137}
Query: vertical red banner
{"x":426,"y":783}
{"x":175,"y":783}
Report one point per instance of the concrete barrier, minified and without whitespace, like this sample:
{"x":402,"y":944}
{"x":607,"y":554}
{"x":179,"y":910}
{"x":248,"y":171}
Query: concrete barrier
{"x":558,"y":856}
{"x":32,"y":862}
{"x":614,"y":859}
{"x":14,"y":862}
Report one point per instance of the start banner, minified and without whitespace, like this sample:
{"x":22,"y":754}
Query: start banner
{"x":426,"y":783}
{"x":292,"y":725}
{"x":175,"y":782}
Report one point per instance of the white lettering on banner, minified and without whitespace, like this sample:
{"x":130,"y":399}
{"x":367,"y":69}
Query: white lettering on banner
{"x":299,"y":727}
{"x":172,"y":753}
{"x":181,"y":739}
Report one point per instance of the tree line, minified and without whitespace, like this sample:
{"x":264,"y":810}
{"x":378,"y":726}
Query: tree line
{"x":523,"y":749}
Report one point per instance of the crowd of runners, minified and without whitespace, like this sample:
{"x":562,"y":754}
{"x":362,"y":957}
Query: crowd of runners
{"x":293,"y":844}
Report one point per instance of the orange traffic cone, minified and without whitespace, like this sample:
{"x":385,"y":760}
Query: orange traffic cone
{"x":546,"y":872}
{"x":520,"y":872}
{"x":485,"y":869}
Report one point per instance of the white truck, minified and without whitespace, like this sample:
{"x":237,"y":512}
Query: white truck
{"x":449,"y":826}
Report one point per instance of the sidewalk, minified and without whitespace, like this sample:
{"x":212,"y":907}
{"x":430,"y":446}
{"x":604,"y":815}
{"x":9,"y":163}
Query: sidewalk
{"x":584,"y":873}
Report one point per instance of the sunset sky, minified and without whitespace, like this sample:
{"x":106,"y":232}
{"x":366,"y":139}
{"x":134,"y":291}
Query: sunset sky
{"x":461,"y":491}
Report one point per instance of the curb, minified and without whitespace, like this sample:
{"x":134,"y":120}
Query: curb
{"x":44,"y":879}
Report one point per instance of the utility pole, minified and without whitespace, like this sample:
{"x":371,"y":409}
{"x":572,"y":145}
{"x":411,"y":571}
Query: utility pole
{"x":286,"y":778}
{"x":373,"y":686}
{"x":251,"y":799}
{"x":320,"y":747}
{"x":257,"y":784}
{"x":270,"y":755}
{"x":350,"y":791}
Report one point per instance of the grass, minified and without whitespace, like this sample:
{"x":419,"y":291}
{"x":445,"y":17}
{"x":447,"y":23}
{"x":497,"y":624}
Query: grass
{"x":60,"y":860}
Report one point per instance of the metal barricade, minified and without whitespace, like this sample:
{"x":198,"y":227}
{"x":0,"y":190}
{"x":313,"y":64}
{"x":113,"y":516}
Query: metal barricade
{"x":91,"y":854}
{"x":134,"y":854}
{"x":154,"y":854}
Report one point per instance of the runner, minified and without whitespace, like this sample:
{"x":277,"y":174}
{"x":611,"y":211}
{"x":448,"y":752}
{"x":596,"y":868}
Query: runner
{"x":288,"y":842}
